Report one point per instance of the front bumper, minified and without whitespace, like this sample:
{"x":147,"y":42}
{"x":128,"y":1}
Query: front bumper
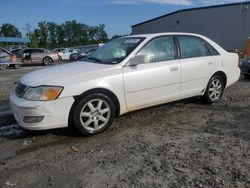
{"x":55,"y":113}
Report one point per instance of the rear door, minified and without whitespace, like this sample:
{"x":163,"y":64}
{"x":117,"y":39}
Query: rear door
{"x":37,"y":55}
{"x":197,"y":65}
{"x":154,"y":82}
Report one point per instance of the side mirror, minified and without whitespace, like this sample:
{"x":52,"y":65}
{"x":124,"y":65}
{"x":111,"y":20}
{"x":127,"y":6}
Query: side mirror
{"x":140,"y":59}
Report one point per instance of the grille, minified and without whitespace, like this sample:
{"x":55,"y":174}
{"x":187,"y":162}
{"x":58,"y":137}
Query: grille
{"x":20,"y":89}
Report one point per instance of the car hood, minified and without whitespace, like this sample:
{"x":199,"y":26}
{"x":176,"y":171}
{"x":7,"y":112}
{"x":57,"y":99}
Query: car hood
{"x":62,"y":75}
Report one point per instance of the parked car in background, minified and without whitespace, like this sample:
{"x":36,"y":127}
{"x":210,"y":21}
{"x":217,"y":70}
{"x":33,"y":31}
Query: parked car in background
{"x":81,"y":54}
{"x":17,"y":51}
{"x":126,"y":74}
{"x":245,"y":67}
{"x":56,"y":50}
{"x":8,"y":59}
{"x":64,"y":55}
{"x":38,"y":55}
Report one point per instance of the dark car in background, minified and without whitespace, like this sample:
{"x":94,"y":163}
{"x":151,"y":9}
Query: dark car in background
{"x":245,"y":67}
{"x":38,"y":55}
{"x":82,"y":54}
{"x":17,"y":50}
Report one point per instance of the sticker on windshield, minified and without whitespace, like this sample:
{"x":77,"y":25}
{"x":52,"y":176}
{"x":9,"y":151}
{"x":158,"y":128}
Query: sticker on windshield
{"x":132,"y":41}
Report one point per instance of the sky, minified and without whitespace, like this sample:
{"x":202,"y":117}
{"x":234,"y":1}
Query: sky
{"x":117,"y":15}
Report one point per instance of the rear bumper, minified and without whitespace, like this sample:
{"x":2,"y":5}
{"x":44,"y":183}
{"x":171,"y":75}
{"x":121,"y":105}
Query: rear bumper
{"x":233,"y":77}
{"x":55,"y":113}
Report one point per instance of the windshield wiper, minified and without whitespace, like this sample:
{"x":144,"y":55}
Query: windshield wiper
{"x":94,"y":59}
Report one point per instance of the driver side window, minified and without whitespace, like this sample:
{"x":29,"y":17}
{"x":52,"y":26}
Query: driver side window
{"x":159,"y":49}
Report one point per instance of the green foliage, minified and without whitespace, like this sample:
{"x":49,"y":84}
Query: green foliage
{"x":9,"y":30}
{"x":67,"y":34}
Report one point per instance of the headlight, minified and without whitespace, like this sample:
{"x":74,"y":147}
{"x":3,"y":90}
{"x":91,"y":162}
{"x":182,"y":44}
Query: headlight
{"x":42,"y":93}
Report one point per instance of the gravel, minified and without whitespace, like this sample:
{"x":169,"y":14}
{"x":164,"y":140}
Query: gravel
{"x":181,"y":144}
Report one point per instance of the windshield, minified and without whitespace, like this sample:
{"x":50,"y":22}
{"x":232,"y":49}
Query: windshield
{"x":115,"y":51}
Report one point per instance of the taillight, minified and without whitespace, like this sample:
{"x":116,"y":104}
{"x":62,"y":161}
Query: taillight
{"x":13,"y":58}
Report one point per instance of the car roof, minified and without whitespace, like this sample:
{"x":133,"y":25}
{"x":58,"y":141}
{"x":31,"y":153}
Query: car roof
{"x":160,"y":34}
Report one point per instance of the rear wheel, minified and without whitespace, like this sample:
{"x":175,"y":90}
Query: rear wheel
{"x":47,"y":61}
{"x":93,"y":114}
{"x":214,"y":90}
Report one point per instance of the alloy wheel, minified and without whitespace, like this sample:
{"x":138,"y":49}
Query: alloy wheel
{"x":95,"y":114}
{"x":215,"y":89}
{"x":47,"y":61}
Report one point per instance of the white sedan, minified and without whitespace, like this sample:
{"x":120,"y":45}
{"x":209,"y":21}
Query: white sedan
{"x":126,"y":74}
{"x":64,"y":55}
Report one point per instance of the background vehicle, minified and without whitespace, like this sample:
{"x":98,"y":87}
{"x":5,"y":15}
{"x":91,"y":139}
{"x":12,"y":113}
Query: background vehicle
{"x":245,"y":67}
{"x":64,"y":55}
{"x":124,"y":75}
{"x":38,"y":55}
{"x":81,"y":55}
{"x":8,"y":59}
{"x":58,"y":50}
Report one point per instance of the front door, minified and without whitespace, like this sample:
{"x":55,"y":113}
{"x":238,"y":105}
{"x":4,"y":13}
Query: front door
{"x":156,"y":81}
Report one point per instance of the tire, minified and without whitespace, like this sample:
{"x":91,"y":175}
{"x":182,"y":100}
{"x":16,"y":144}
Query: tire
{"x":3,"y":66}
{"x":17,"y":66}
{"x":214,"y":90}
{"x":92,"y":114}
{"x":47,"y":61}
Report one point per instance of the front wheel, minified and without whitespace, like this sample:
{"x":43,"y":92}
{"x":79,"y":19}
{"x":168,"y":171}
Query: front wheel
{"x":93,"y":114}
{"x":214,"y":90}
{"x":47,"y":61}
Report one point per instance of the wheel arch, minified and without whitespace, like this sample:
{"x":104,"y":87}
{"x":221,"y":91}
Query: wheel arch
{"x":104,"y":91}
{"x":222,"y":75}
{"x":48,"y":57}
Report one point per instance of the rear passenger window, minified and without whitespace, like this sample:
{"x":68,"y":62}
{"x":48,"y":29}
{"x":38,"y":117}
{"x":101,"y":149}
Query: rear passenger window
{"x":160,"y":49}
{"x":211,"y":49}
{"x":192,"y":47}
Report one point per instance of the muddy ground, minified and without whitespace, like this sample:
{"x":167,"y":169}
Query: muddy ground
{"x":182,"y":144}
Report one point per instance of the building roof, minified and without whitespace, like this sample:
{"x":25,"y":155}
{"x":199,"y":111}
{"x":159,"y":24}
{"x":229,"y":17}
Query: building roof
{"x":192,"y":9}
{"x":15,"y":39}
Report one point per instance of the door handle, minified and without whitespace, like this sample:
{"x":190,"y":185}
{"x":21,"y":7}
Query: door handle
{"x":210,"y":63}
{"x":174,"y":69}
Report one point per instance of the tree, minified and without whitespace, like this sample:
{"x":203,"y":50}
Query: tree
{"x":76,"y":33}
{"x":9,"y":30}
{"x":43,"y":34}
{"x":68,"y":34}
{"x":60,"y":35}
{"x":101,"y":33}
{"x":34,"y":38}
{"x":28,"y":29}
{"x":52,"y":34}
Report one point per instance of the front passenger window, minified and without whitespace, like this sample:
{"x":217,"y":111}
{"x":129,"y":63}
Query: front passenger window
{"x":159,"y":49}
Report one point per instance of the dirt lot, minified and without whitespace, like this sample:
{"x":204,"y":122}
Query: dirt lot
{"x":182,"y":144}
